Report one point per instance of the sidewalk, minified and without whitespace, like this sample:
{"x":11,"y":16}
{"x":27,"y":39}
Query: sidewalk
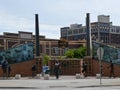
{"x":64,"y":81}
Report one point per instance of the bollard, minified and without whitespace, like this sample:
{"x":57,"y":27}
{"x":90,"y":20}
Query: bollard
{"x":82,"y":76}
{"x":98,"y":75}
{"x":77,"y":76}
{"x":17,"y":76}
{"x":38,"y":76}
{"x":46,"y":77}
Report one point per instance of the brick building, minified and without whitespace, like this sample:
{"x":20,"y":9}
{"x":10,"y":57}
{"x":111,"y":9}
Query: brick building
{"x":47,"y":46}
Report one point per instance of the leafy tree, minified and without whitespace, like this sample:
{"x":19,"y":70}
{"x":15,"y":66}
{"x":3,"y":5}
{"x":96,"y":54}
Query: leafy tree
{"x":76,"y":53}
{"x":83,"y":51}
{"x":80,"y":52}
{"x":46,"y":59}
{"x":69,"y":53}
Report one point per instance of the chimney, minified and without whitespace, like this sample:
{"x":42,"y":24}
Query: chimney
{"x":88,"y":33}
{"x":37,"y":35}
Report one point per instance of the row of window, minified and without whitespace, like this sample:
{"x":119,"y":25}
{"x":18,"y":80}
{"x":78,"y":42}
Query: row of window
{"x":115,"y":30}
{"x":55,"y":50}
{"x":79,"y":31}
{"x":76,"y":31}
{"x":101,"y":30}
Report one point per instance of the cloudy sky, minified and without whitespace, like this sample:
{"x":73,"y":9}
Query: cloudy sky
{"x":18,"y":15}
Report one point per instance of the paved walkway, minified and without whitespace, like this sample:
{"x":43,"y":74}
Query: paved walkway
{"x":63,"y":82}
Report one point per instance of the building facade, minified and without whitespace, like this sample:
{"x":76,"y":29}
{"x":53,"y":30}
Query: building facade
{"x":103,"y":30}
{"x":47,"y":46}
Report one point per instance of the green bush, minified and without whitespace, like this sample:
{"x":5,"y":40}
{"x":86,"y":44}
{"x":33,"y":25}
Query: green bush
{"x":76,"y":53}
{"x":46,"y":59}
{"x":69,"y":53}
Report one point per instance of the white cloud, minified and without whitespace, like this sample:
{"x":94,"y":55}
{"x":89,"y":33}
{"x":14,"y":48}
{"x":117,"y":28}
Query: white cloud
{"x":13,"y":24}
{"x":69,"y":11}
{"x":51,"y":31}
{"x":53,"y":13}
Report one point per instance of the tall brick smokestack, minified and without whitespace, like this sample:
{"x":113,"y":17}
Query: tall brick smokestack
{"x":37,"y":35}
{"x":88,"y":33}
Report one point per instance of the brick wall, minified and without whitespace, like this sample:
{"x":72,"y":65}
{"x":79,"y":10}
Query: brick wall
{"x":68,"y":67}
{"x":23,"y":68}
{"x":106,"y":69}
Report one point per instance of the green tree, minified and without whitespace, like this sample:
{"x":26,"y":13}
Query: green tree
{"x":80,"y":52}
{"x":76,"y":53}
{"x":69,"y":53}
{"x":83,"y":51}
{"x":46,"y":59}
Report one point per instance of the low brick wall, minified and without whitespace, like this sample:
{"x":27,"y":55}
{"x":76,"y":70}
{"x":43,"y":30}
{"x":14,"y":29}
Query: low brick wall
{"x":105,"y":68}
{"x":23,"y":68}
{"x":68,"y":67}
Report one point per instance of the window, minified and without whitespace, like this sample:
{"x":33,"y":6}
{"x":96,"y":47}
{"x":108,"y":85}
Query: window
{"x":55,"y":50}
{"x":65,"y":49}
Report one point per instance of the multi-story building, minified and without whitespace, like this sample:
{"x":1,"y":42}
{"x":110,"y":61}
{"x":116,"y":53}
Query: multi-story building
{"x":102,"y":31}
{"x":47,"y":46}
